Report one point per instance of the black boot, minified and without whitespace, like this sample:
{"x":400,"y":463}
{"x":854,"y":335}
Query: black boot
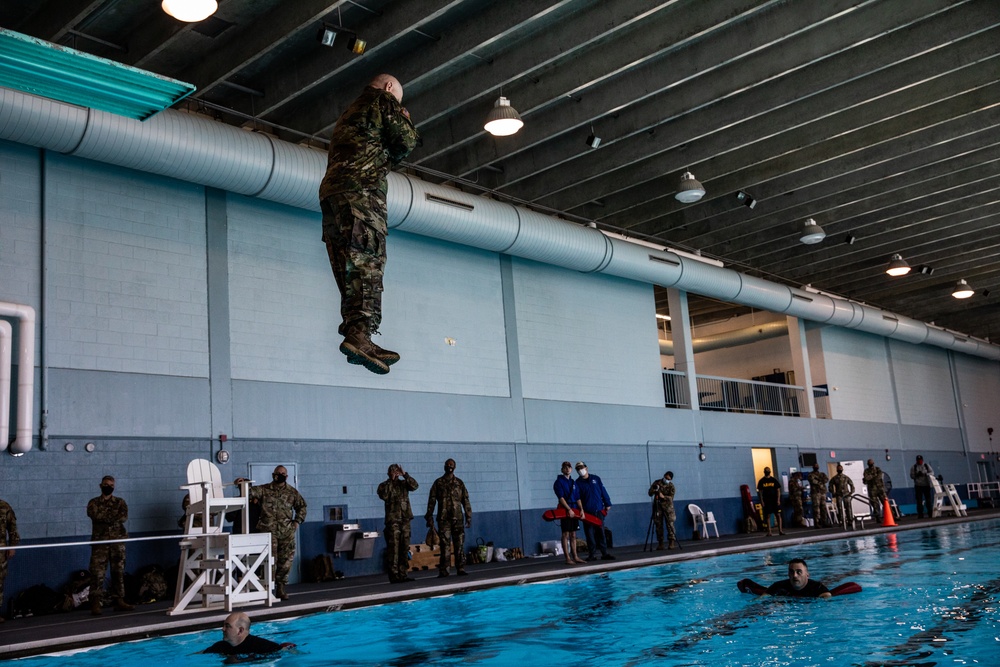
{"x":360,"y":350}
{"x":388,"y":357}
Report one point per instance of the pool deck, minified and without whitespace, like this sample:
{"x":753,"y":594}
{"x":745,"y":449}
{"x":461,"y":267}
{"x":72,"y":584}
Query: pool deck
{"x":22,"y":637}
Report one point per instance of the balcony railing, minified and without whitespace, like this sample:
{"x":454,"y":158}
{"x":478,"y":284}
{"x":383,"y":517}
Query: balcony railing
{"x":732,"y":395}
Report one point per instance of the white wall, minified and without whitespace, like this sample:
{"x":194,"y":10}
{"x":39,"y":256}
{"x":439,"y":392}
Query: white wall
{"x":857,"y":371}
{"x":979,"y":389}
{"x":923,"y":385}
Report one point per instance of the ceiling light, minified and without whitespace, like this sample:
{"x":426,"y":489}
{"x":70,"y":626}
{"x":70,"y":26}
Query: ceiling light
{"x":503,"y":119}
{"x":689,"y":190}
{"x":962,"y":290}
{"x":925,"y":270}
{"x":850,"y":239}
{"x":897,"y":266}
{"x":593,"y":140}
{"x":812,"y":233}
{"x":665,"y":318}
{"x":189,"y":11}
{"x":328,"y":35}
{"x":746,"y":199}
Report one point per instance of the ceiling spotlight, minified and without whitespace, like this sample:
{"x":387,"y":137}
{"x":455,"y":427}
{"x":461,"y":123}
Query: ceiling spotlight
{"x":925,"y":270}
{"x":746,"y":199}
{"x":593,"y":141}
{"x":812,"y":233}
{"x":962,"y":290}
{"x":503,"y":119}
{"x":850,"y":239}
{"x":897,"y":266}
{"x":189,"y":11}
{"x":689,"y":190}
{"x":328,"y":35}
{"x":985,"y":293}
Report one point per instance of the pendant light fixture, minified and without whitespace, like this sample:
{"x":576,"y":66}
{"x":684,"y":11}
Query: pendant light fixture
{"x":189,"y":11}
{"x":503,"y":119}
{"x":897,"y":266}
{"x":962,"y":290}
{"x":689,"y":190}
{"x":812,"y":233}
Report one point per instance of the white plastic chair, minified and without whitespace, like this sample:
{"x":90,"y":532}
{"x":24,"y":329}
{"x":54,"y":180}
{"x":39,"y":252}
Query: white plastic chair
{"x":703,"y":520}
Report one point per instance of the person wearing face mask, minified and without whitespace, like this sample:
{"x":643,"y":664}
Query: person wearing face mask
{"x":662,"y":491}
{"x":795,"y":498}
{"x":842,"y":488}
{"x":449,"y":494}
{"x":108,"y":514}
{"x":875,"y":483}
{"x":395,"y":492}
{"x":817,"y":492}
{"x":596,"y":502}
{"x":769,"y":496}
{"x":282,"y":509}
{"x":568,"y":498}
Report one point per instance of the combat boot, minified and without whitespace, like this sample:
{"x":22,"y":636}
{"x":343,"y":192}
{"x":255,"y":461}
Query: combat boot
{"x":360,"y":350}
{"x":279,"y":592}
{"x":672,"y":545}
{"x":95,"y":608}
{"x":659,"y":545}
{"x":387,"y":356}
{"x":121,"y":605}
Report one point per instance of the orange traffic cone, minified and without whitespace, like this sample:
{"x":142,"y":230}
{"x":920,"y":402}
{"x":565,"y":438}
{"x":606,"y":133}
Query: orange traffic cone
{"x":887,"y":519}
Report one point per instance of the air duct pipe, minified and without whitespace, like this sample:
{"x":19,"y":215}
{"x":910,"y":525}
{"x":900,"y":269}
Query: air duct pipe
{"x":743,"y":336}
{"x":199,"y":150}
{"x":25,"y":377}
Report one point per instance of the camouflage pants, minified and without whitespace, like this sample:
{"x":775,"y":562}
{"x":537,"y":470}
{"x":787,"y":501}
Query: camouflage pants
{"x":820,"y":516}
{"x":796,"y":510}
{"x":452,"y":536}
{"x":354,"y":232}
{"x":663,"y":515}
{"x":397,"y":547}
{"x":3,"y":572}
{"x":101,"y":555}
{"x":282,"y":554}
{"x":877,"y":499}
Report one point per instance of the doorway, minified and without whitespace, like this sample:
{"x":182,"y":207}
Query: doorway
{"x":763,"y":457}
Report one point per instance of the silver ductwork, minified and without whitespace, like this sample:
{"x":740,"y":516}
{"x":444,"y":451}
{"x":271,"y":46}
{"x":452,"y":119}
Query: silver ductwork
{"x":199,"y":150}
{"x":743,"y":336}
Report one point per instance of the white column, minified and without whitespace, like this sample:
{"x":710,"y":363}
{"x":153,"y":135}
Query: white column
{"x":680,"y":332}
{"x":800,"y":364}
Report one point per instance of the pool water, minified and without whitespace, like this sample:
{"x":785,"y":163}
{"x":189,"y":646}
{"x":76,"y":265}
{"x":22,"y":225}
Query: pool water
{"x":931,"y":597}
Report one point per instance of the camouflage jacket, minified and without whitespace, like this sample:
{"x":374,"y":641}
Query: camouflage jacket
{"x":371,"y":136}
{"x":8,"y":526}
{"x":396,"y":495}
{"x":451,"y":497}
{"x":841,"y":485}
{"x":795,"y":489}
{"x":667,"y":489}
{"x":874,"y":480}
{"x":108,"y":515}
{"x":281,"y":508}
{"x":817,"y":483}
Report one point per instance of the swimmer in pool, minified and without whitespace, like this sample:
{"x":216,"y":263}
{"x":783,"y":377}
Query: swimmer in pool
{"x":237,"y":640}
{"x":798,"y":584}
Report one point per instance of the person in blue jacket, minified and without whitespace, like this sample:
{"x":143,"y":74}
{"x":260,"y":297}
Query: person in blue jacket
{"x":597,"y":502}
{"x":569,"y":500}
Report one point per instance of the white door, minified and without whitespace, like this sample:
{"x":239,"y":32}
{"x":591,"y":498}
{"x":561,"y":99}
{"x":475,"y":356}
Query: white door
{"x":260,"y":473}
{"x":856,"y":471}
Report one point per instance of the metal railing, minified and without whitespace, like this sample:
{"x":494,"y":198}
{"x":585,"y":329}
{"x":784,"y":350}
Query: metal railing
{"x":732,"y":395}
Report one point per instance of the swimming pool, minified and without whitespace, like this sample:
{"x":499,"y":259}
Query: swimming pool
{"x":931,"y":597}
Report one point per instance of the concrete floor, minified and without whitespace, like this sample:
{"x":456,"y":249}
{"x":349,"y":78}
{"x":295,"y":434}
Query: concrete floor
{"x":58,"y":632}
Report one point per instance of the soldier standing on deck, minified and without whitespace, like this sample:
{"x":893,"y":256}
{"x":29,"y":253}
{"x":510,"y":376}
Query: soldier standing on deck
{"x":282,"y":510}
{"x":8,"y":537}
{"x":875,"y":482}
{"x":452,"y":499}
{"x":795,"y":497}
{"x":395,"y":491}
{"x":842,"y":488}
{"x":663,"y":490}
{"x":372,"y":135}
{"x":817,"y":490}
{"x":108,"y":514}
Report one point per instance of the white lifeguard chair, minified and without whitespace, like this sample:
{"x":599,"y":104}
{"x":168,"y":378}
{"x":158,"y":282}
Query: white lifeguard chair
{"x":946,"y":500}
{"x":218,"y":569}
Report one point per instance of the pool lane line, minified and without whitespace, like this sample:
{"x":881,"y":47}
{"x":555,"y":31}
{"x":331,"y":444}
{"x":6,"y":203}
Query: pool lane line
{"x":212,"y":620}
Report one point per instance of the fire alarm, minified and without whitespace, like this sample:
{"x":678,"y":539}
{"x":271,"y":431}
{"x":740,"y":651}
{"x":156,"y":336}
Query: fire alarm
{"x":222,"y":456}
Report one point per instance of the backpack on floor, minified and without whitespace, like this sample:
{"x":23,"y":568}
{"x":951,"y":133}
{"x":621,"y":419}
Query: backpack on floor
{"x":38,"y":600}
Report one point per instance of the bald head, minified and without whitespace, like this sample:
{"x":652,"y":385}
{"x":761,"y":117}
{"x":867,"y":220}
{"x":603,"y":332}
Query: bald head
{"x":390,"y":84}
{"x":235,"y":628}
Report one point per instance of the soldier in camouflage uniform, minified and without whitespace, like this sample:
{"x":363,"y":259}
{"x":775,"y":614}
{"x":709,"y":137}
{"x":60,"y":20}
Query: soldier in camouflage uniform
{"x":795,"y":497}
{"x":662,"y":491}
{"x":875,"y":482}
{"x":282,"y":509}
{"x":817,"y":491}
{"x":372,"y":135}
{"x":8,"y":538}
{"x":108,"y":514}
{"x":452,"y":499}
{"x":395,"y":491}
{"x":842,"y":488}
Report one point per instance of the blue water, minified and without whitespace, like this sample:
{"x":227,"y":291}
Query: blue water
{"x":931,"y":597}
